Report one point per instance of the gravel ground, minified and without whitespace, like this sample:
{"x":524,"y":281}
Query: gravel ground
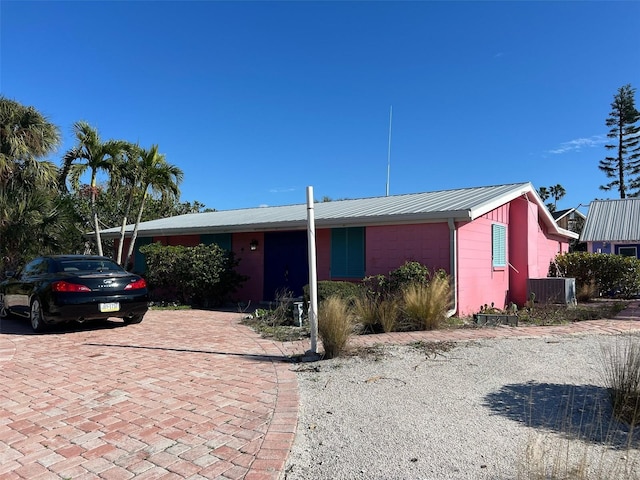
{"x":489,"y":409}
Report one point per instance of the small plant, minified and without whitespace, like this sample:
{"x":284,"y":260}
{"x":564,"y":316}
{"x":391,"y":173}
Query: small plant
{"x":511,"y":309}
{"x":621,"y":368}
{"x":334,"y":326}
{"x":426,"y":305}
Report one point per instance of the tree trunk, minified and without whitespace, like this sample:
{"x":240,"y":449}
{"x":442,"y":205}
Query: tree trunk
{"x":135,"y":229}
{"x":124,"y":225}
{"x":94,"y":211}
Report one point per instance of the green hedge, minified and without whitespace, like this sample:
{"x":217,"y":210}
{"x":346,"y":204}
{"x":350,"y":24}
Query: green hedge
{"x":327,"y":288}
{"x":613,"y":275}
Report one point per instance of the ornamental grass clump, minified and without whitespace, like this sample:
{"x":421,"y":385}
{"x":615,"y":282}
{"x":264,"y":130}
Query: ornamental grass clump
{"x":375,"y":314}
{"x":365,"y":311}
{"x":388,"y":314}
{"x":621,"y":369}
{"x":425,"y":306}
{"x":334,"y":326}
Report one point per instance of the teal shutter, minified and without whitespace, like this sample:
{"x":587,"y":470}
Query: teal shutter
{"x":223,"y":240}
{"x":347,"y":252}
{"x":140,"y":261}
{"x":499,"y":245}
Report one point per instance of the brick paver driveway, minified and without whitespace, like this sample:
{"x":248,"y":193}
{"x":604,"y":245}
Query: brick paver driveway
{"x":188,"y":394}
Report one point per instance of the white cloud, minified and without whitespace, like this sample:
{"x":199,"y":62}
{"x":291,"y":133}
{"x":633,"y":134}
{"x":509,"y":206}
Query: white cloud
{"x":282,"y":190}
{"x":578,"y":144}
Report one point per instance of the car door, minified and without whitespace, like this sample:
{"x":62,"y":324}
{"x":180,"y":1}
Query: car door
{"x":19,"y":288}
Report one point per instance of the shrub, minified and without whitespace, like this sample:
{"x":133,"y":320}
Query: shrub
{"x":376,"y":286}
{"x":408,"y":274}
{"x":327,"y":288}
{"x":281,"y":313}
{"x":334,"y":326}
{"x":201,"y":275}
{"x":609,"y":274}
{"x":621,"y":369}
{"x":426,"y":305}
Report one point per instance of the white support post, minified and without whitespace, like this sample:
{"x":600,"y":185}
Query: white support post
{"x":313,"y":277}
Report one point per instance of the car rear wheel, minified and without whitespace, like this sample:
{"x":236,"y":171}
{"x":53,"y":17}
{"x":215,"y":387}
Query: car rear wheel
{"x":3,"y":309}
{"x":37,"y":323}
{"x":134,"y":319}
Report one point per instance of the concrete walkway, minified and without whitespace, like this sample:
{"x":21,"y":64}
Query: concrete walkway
{"x":185,"y":394}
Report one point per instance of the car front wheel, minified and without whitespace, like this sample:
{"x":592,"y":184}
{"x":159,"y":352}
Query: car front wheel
{"x":37,"y":323}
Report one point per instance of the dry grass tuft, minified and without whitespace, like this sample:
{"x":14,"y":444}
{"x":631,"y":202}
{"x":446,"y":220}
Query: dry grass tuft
{"x":388,"y":314}
{"x":426,"y":305}
{"x":586,"y":292}
{"x":365,"y":310}
{"x":334,"y":326}
{"x":554,"y":458}
{"x":621,"y":369}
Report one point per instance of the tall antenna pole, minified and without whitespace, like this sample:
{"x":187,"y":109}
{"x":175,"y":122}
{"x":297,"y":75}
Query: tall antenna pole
{"x":389,"y":148}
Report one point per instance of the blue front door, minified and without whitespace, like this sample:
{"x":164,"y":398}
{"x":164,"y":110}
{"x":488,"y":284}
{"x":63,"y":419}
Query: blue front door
{"x":286,"y":267}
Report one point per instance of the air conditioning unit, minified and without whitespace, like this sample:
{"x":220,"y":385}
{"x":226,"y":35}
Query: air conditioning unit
{"x":553,"y":290}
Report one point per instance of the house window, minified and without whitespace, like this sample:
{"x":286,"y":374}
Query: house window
{"x":628,"y":251}
{"x":223,"y":240}
{"x":498,"y":245}
{"x":347,"y":252}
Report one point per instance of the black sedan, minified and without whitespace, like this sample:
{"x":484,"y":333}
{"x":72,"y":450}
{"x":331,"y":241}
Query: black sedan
{"x":65,"y":288}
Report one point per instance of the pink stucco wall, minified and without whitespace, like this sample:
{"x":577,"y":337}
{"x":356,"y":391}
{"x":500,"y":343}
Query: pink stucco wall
{"x":479,"y":282}
{"x":323,"y":254}
{"x":533,"y":248}
{"x":185,"y":240}
{"x":389,"y":246}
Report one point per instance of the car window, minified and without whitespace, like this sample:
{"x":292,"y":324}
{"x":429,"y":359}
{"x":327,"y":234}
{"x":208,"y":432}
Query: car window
{"x":87,"y":265}
{"x":35,"y":267}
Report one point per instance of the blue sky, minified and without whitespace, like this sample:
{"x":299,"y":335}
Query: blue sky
{"x":255,"y":101}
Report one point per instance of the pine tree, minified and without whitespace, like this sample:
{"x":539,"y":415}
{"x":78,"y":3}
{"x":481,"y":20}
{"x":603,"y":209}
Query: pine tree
{"x":624,"y":167}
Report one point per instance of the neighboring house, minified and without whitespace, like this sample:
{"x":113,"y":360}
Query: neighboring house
{"x":489,"y":239}
{"x":573,"y":220}
{"x":613,"y":226}
{"x":570,"y":219}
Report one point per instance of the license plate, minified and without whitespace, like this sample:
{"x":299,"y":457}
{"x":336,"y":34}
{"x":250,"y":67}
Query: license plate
{"x":109,"y":307}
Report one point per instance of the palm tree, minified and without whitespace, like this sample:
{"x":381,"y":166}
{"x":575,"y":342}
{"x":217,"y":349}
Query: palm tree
{"x":544,"y":193}
{"x":155,"y":176}
{"x":126,"y":176}
{"x":25,"y":136}
{"x":30,"y":210}
{"x":90,"y":153}
{"x":557,"y":192}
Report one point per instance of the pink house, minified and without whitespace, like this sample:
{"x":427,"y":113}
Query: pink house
{"x":489,"y":239}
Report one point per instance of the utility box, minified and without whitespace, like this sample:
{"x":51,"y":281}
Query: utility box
{"x":553,"y":290}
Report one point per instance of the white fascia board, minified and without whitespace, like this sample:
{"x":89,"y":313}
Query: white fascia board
{"x":487,"y":207}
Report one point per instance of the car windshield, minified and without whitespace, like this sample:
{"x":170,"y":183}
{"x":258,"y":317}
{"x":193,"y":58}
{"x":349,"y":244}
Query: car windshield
{"x":88,"y":265}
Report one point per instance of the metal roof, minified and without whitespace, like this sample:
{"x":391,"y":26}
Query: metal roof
{"x":463,"y":204}
{"x":612,"y":221}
